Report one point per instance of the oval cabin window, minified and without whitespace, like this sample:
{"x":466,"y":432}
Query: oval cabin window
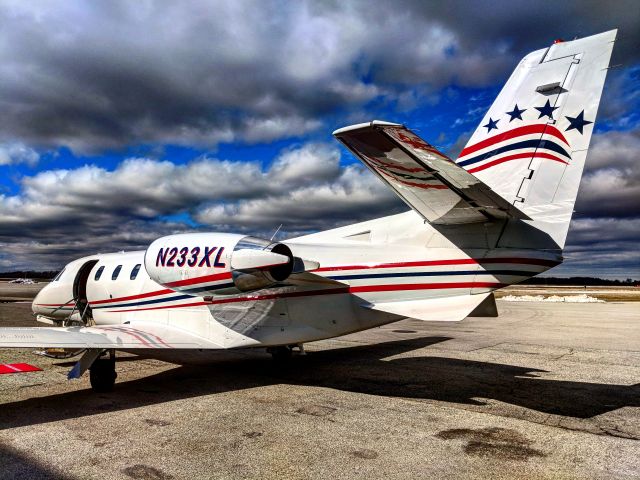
{"x":116,"y":272}
{"x":134,"y":272}
{"x":99,"y":273}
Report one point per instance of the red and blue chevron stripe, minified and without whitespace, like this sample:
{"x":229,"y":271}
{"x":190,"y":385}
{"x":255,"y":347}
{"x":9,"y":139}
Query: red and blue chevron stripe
{"x":530,"y":141}
{"x":422,"y":275}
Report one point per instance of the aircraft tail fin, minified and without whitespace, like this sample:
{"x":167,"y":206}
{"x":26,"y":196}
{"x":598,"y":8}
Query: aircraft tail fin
{"x":532,"y":144}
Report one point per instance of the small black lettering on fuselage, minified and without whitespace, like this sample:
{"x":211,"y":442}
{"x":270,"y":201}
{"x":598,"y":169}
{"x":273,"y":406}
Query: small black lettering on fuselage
{"x":181,"y":256}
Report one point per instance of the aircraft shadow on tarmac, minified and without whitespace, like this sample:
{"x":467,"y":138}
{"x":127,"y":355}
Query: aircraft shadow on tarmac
{"x":366,"y":369}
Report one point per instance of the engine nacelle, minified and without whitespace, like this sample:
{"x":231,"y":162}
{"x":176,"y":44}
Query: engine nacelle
{"x":205,"y":264}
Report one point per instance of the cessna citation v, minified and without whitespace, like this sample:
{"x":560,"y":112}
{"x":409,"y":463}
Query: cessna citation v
{"x":495,"y":216}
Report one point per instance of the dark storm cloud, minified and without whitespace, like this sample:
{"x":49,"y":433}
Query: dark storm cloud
{"x":54,"y":248}
{"x":109,"y":74}
{"x":611,"y":183}
{"x":519,"y":26}
{"x":609,"y":245}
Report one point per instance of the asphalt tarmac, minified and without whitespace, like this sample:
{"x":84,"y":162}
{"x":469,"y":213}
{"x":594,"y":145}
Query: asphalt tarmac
{"x":546,"y":390}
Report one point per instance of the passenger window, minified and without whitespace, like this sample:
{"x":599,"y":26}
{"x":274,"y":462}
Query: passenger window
{"x":57,"y":277}
{"x":134,"y":272}
{"x":116,"y":272}
{"x":99,"y":273}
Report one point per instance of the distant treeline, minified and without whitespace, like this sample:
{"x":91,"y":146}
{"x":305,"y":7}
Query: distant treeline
{"x":581,"y":281}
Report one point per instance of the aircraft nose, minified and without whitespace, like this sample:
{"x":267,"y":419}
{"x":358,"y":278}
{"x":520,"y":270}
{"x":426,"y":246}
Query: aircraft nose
{"x":42,"y":300}
{"x":35,"y":308}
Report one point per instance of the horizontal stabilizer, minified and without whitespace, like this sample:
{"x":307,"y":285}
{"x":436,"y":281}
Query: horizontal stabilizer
{"x":448,"y":309}
{"x":134,"y":336}
{"x":426,"y":179}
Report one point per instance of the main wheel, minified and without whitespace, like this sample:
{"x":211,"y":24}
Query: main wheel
{"x":102,"y":375}
{"x":280,"y":354}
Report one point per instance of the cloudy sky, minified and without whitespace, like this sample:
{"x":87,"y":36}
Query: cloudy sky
{"x":124,"y":121}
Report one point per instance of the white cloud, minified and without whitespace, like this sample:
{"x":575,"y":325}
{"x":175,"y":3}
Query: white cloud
{"x":312,"y":163}
{"x":59,"y":213}
{"x":13,"y":153}
{"x":354,"y":194}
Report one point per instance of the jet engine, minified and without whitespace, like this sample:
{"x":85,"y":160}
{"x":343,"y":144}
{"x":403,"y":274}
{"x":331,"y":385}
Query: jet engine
{"x":206,"y":264}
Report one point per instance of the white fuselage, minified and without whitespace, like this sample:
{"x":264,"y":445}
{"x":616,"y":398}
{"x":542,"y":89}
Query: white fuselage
{"x":390,"y":259}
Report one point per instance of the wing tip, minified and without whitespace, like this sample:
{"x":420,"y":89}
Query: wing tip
{"x":363,"y":126}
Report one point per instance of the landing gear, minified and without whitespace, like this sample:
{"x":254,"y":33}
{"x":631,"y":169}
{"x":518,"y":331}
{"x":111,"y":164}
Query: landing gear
{"x":284,"y":353}
{"x":102,"y":373}
{"x":280,"y":354}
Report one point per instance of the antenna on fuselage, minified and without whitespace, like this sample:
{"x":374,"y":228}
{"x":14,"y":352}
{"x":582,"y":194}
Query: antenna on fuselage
{"x":275,"y":233}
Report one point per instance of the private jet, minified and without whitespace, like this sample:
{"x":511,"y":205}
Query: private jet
{"x":495,"y":216}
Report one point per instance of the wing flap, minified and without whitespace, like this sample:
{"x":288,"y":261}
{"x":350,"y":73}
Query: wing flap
{"x":426,"y":179}
{"x":447,"y":309}
{"x":138,"y":335}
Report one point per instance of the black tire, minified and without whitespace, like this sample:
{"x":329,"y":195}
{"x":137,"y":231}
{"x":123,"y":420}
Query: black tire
{"x":102,"y":375}
{"x":281,"y":354}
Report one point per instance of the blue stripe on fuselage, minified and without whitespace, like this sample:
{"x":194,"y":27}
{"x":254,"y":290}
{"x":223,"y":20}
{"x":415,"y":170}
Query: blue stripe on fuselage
{"x":519,"y":273}
{"x":145,"y":302}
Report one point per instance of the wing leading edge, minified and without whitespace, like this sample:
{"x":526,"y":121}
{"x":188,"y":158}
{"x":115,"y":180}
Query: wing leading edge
{"x":121,"y":337}
{"x":426,"y":179}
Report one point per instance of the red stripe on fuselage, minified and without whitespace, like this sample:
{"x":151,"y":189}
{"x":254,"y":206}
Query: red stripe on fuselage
{"x":424,"y":263}
{"x":429,"y":263}
{"x":423,"y":286}
{"x":333,"y":291}
{"x":206,"y":278}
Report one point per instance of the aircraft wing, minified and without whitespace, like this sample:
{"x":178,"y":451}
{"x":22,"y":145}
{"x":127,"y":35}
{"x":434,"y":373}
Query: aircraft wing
{"x":426,"y":179}
{"x":130,"y":336}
